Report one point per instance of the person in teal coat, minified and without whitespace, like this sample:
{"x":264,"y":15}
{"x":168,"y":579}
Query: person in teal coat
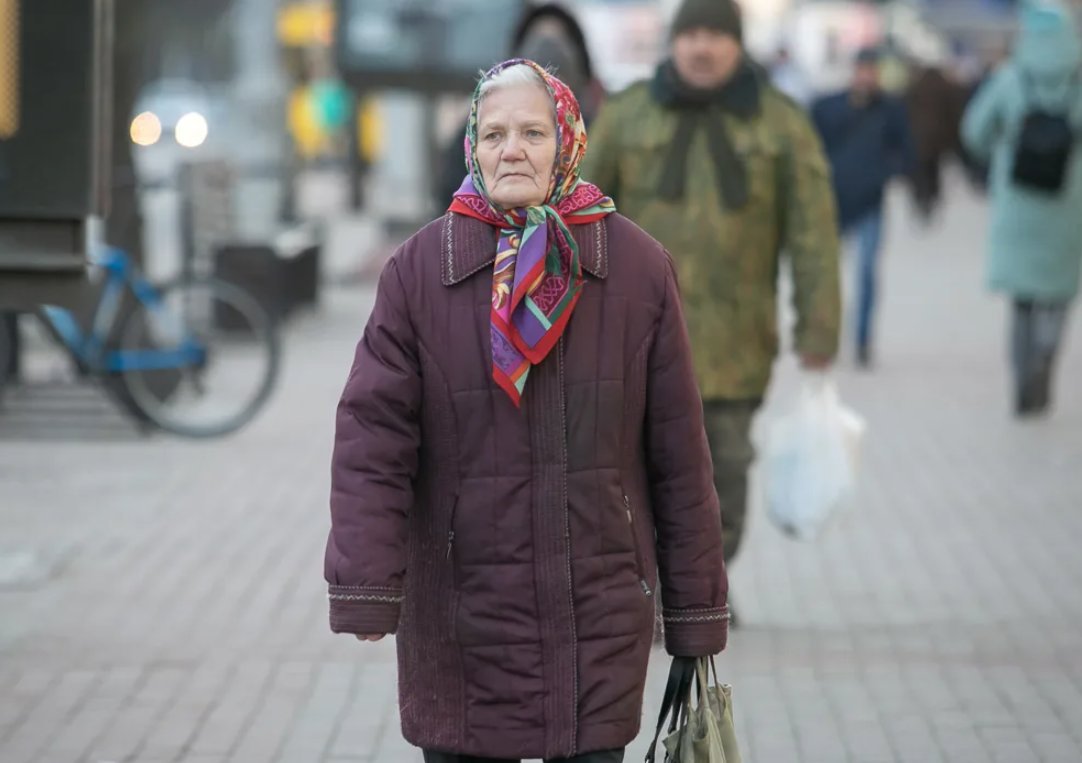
{"x":1035,"y":239}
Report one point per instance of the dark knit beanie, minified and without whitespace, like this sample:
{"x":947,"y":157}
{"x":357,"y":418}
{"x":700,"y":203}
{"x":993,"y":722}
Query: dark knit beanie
{"x":719,"y":15}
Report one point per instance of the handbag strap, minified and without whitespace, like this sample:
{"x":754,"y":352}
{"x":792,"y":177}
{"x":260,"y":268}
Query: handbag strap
{"x":702,"y":678}
{"x":677,"y":692}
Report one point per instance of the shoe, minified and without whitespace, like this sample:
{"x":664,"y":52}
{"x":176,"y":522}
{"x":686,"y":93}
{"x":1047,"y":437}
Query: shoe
{"x":1042,"y":390}
{"x":1030,"y":407}
{"x":1034,"y":399}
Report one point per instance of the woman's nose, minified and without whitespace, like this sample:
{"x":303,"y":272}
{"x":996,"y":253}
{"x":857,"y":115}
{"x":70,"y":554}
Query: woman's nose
{"x":513,"y":148}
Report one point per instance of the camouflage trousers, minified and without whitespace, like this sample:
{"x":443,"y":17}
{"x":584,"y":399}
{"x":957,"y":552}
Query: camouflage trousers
{"x":728,"y":428}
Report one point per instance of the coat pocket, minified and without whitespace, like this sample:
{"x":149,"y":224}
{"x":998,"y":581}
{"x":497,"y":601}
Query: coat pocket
{"x":451,"y":538}
{"x":640,"y":567}
{"x":451,"y":568}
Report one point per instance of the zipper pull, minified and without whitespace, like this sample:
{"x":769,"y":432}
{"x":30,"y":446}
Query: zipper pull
{"x":645,"y":588}
{"x":627,"y":508}
{"x":450,"y":542}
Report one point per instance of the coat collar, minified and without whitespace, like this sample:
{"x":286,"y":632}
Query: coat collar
{"x":468,"y":246}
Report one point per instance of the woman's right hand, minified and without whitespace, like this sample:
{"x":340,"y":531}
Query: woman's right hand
{"x":370,"y":636}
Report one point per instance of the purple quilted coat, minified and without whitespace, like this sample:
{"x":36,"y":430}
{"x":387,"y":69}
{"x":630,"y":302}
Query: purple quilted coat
{"x":516,"y":552}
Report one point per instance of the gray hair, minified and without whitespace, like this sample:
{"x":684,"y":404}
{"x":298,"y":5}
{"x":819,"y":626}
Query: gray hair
{"x":519,"y":74}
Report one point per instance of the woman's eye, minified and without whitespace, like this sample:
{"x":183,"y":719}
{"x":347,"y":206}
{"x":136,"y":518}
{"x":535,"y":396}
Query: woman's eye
{"x":492,"y":136}
{"x":535,"y":134}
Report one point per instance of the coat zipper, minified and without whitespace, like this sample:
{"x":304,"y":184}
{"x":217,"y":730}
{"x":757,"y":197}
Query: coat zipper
{"x":639,"y":566}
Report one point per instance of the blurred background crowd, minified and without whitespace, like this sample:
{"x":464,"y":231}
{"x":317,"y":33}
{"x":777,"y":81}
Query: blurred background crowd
{"x":299,"y":126}
{"x":300,"y":99}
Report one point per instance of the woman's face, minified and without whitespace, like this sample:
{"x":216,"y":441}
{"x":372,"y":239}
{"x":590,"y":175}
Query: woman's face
{"x":516,"y":145}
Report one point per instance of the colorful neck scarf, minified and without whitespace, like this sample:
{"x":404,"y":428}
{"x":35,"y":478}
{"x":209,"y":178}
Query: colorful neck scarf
{"x":537,"y":278}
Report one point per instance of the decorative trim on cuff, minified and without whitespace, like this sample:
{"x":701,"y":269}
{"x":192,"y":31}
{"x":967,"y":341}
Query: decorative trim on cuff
{"x":696,"y":632}
{"x":715,"y":615}
{"x":359,"y":609}
{"x":373,"y":594}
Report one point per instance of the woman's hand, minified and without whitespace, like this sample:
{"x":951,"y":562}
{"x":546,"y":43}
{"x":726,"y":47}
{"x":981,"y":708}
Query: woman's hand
{"x":370,"y":636}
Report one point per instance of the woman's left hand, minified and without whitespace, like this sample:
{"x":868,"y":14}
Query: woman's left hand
{"x":370,"y":636}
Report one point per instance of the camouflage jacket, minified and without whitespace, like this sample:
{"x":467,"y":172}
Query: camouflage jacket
{"x":728,"y":261}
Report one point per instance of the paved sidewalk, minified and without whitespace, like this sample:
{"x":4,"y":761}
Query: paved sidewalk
{"x":172,"y":606}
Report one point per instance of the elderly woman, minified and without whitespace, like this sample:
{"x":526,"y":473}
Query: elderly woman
{"x":519,"y":448}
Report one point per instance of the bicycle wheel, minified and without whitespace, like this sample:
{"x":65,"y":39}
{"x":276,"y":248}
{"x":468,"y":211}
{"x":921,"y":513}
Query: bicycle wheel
{"x":201,"y":360}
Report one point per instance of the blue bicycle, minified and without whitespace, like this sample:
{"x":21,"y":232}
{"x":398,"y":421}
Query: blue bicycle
{"x":197,"y":357}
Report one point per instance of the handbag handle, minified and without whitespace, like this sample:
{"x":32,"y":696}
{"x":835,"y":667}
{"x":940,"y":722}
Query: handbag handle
{"x":702,"y":678}
{"x":714,"y":670}
{"x":677,"y":696}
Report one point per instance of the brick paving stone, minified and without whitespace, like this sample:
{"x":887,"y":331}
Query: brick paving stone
{"x":100,"y":707}
{"x":59,"y":704}
{"x":24,"y":690}
{"x":177,"y":726}
{"x":123,"y":736}
{"x":310,"y":736}
{"x":233,"y":709}
{"x":281,"y":707}
{"x":366,"y":721}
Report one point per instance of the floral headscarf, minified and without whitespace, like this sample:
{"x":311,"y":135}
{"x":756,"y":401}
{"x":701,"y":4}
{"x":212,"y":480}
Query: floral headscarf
{"x":537,"y":278}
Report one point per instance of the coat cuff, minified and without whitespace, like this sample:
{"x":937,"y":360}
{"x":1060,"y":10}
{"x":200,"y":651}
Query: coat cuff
{"x":364,"y":610}
{"x":696,"y":632}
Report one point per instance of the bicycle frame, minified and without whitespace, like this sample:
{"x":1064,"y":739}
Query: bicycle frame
{"x":90,"y":348}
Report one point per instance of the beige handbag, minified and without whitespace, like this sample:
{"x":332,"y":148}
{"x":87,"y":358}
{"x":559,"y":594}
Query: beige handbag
{"x":702,"y":732}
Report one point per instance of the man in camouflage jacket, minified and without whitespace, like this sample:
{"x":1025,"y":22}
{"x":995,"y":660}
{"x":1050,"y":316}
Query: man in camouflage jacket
{"x":728,"y":174}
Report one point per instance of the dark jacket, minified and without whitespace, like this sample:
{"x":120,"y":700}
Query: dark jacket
{"x":515,"y":551}
{"x":867,"y":146}
{"x":728,"y":259}
{"x":935,"y":105}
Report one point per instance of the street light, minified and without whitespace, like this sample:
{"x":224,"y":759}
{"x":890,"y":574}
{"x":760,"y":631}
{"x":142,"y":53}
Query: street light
{"x":191,"y":130}
{"x":146,"y":129}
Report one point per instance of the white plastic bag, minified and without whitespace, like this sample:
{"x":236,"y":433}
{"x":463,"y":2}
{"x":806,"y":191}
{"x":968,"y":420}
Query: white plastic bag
{"x":810,"y":459}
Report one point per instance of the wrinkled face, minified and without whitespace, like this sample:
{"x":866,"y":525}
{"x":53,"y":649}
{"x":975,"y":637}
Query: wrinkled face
{"x":705,"y":58}
{"x":516,"y":145}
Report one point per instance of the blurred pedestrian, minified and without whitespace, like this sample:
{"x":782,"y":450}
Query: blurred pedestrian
{"x":728,"y":173}
{"x":549,"y":34}
{"x":934,"y":103}
{"x":519,"y":448}
{"x":1027,"y":120}
{"x":866,"y":135}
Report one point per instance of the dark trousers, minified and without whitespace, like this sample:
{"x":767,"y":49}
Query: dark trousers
{"x":728,"y":428}
{"x":868,"y":233}
{"x":608,"y":756}
{"x":1036,"y":335}
{"x":925,"y":182}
